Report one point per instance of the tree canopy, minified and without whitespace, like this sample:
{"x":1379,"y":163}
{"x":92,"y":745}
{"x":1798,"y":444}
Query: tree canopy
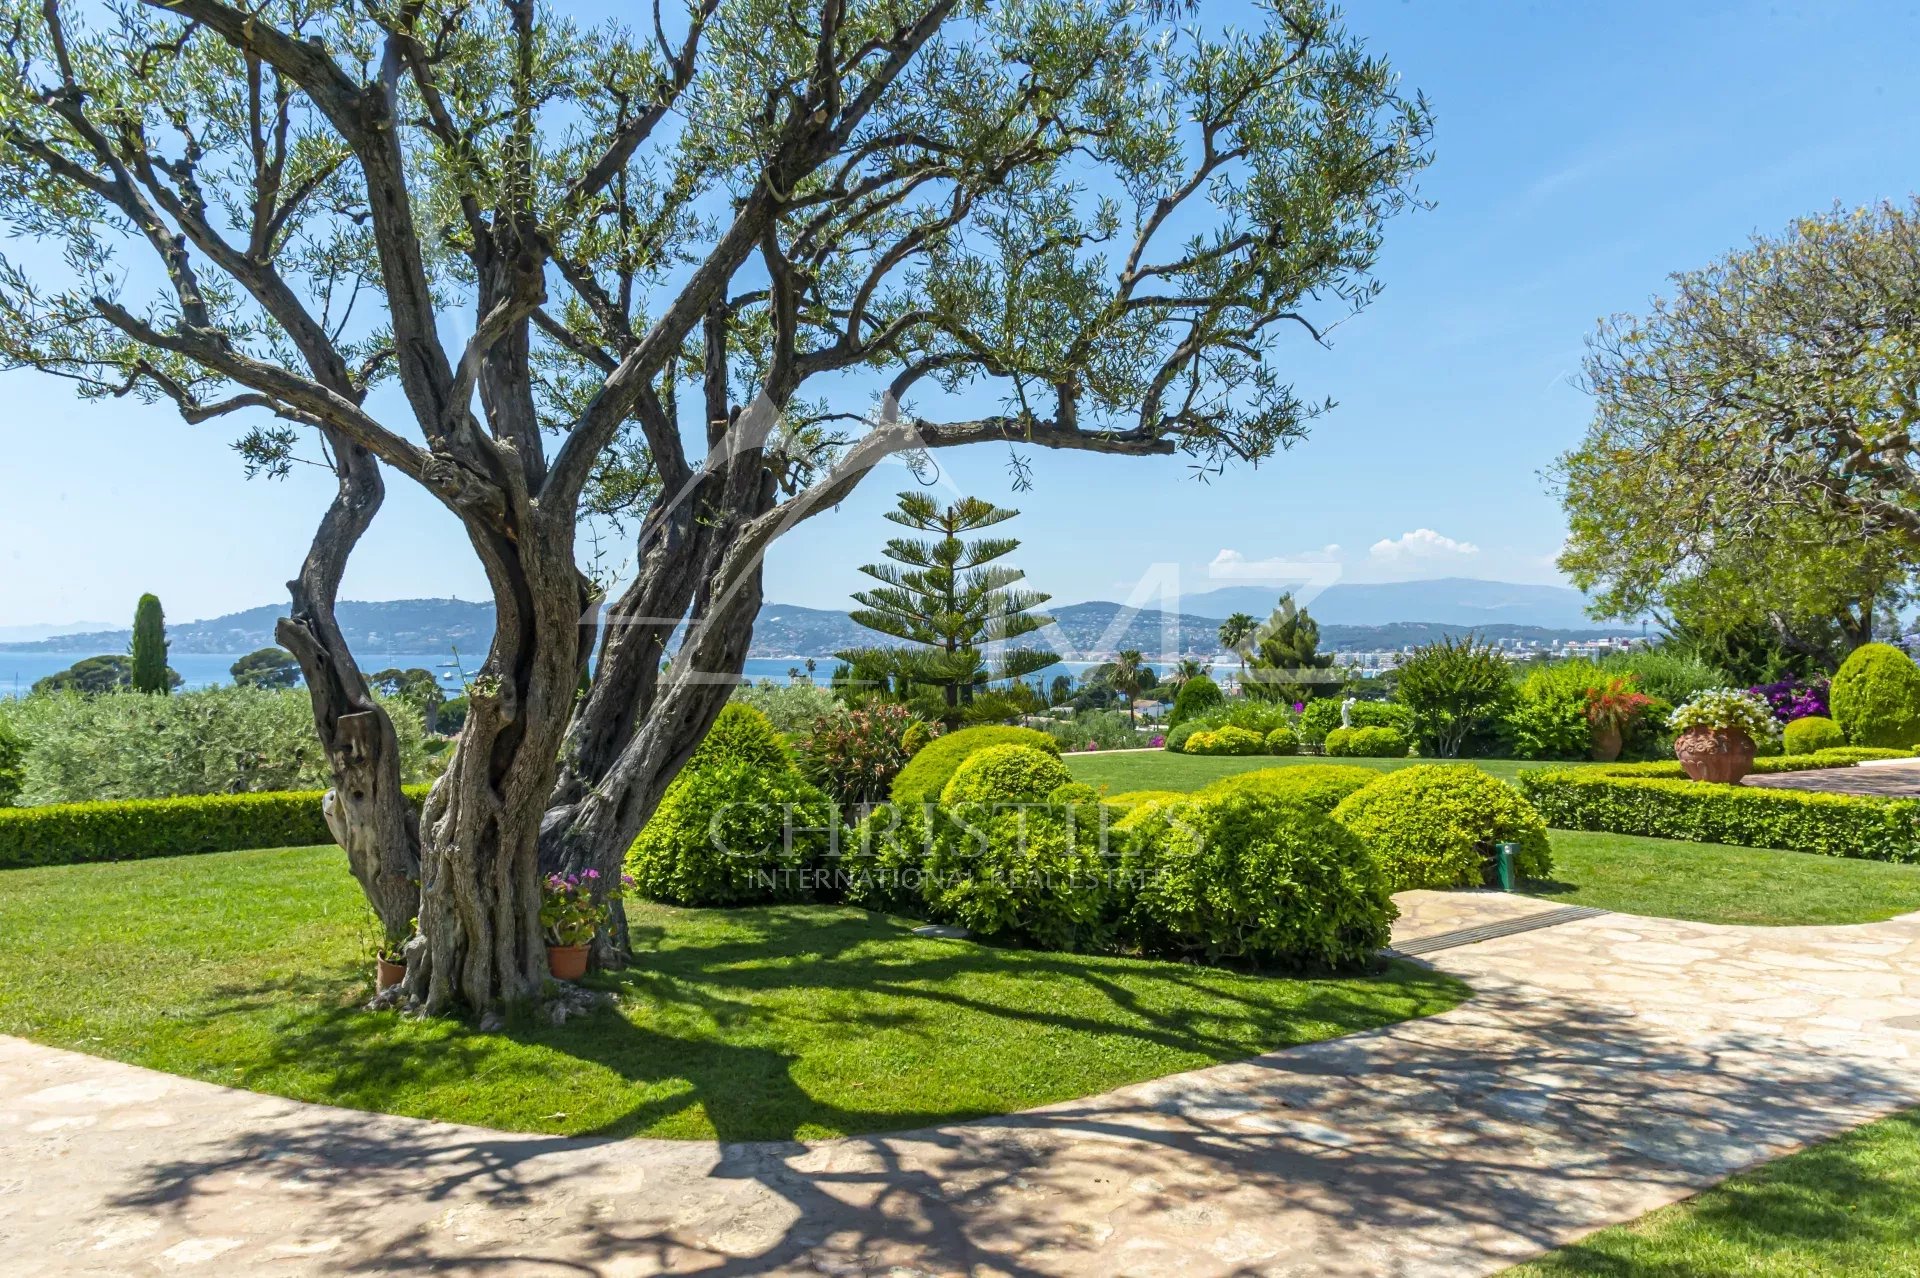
{"x":1750,"y":464}
{"x":701,"y":275}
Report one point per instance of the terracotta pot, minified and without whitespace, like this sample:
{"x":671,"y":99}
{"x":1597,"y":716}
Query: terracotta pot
{"x":1606,"y":742}
{"x":1721,"y":755}
{"x":387,"y":973}
{"x":567,"y":962}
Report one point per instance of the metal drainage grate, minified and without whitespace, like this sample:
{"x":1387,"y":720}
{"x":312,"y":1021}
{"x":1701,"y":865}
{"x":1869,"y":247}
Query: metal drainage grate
{"x":1490,"y":931}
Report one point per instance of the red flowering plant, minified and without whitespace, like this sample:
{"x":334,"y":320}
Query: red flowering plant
{"x":855,"y":756}
{"x":1617,"y":703}
{"x":572,"y":908}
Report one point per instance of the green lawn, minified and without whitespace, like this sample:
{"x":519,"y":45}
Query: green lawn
{"x":247,"y":968}
{"x":1718,"y":884}
{"x":1161,"y":770}
{"x":1847,"y":1209}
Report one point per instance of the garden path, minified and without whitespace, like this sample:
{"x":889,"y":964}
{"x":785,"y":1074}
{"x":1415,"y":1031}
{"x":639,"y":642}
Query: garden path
{"x":1605,"y":1067}
{"x":1894,"y":779}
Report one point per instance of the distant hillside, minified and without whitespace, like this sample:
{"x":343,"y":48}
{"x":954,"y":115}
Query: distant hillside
{"x":395,"y":625}
{"x":1450,"y":601}
{"x":1090,"y":631}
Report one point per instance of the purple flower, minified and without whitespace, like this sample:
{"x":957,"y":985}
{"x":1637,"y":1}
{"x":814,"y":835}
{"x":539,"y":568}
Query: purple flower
{"x":1792,"y":699}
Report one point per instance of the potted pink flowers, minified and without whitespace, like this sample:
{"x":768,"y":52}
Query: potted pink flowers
{"x":572,"y":908}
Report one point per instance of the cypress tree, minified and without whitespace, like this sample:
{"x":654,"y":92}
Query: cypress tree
{"x":150,"y":647}
{"x":948,"y":595}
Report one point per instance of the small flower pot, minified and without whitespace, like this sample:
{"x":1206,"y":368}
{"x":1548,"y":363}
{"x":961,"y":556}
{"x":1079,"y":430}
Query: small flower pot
{"x":387,"y":974}
{"x":567,"y":962}
{"x":1607,"y":741}
{"x":1720,"y":755}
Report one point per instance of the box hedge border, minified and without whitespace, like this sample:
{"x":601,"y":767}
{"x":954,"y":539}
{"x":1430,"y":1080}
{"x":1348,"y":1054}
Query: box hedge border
{"x":1655,"y":800}
{"x":135,"y":829}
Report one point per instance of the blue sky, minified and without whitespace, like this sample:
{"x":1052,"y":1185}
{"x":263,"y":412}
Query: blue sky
{"x":1583,"y":152}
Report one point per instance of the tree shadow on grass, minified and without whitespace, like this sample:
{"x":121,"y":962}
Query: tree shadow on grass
{"x":1503,"y":1130}
{"x":702,"y":1024}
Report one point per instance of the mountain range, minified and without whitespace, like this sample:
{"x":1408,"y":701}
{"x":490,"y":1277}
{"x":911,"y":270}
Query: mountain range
{"x":1356,"y":616}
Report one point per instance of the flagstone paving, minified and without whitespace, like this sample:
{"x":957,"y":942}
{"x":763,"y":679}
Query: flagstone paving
{"x":1604,"y":1067}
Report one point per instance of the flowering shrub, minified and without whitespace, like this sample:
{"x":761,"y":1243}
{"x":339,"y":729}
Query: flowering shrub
{"x":569,"y":913}
{"x":856,"y":755}
{"x":1157,"y":742}
{"x":1727,"y":709}
{"x":1792,"y":699}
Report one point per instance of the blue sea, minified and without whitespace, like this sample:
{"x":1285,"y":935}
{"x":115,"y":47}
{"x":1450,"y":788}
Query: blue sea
{"x":19,"y":670}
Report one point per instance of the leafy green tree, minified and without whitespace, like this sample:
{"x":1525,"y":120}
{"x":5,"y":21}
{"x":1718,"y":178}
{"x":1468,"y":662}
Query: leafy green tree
{"x":266,"y":668}
{"x":1060,"y":691}
{"x":546,"y":270}
{"x":1457,"y":690}
{"x":949,"y":595}
{"x":417,"y":687}
{"x":1235,"y":632}
{"x":1285,"y":660}
{"x":13,"y":764}
{"x":148,"y":669}
{"x":110,"y":672}
{"x":1747,"y":471}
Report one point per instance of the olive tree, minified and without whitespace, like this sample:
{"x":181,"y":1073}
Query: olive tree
{"x":701,"y":275}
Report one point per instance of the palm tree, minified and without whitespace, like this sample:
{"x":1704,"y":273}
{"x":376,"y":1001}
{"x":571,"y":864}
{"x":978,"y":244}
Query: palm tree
{"x":1126,"y":677}
{"x":1234,"y":633}
{"x":1189,"y":668}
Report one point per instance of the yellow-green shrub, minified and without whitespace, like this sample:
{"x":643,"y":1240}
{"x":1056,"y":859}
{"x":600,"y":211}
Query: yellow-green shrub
{"x":1252,"y":877}
{"x":1434,"y":826}
{"x":1320,"y":786}
{"x":1876,"y":697}
{"x":1227,"y":740}
{"x":1005,"y":774}
{"x":1810,"y":733}
{"x":928,"y":772}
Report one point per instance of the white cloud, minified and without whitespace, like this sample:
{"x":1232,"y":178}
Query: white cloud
{"x":1422,"y":545}
{"x":1232,"y":563}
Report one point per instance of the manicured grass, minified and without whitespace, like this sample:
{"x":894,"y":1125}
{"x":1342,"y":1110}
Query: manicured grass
{"x":1162,"y":770}
{"x":1715,"y":883}
{"x":1847,"y":1209}
{"x":248,"y":968}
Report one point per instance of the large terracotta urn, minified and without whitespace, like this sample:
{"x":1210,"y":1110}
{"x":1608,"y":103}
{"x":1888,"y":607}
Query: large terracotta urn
{"x":1608,"y":741}
{"x":1721,"y":755}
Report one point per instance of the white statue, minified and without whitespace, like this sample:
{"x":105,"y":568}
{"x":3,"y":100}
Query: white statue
{"x":1346,"y":712}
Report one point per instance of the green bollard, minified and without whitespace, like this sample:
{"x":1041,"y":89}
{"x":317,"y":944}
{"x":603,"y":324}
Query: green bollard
{"x":1503,"y":855}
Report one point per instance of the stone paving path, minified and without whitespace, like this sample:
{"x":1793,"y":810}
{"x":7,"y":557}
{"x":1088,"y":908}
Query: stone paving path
{"x":1891,"y":779}
{"x":1603,"y":1068}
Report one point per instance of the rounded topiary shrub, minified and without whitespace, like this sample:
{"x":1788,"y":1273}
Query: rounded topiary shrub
{"x":1320,"y":786}
{"x":915,"y":738}
{"x":1227,"y":740}
{"x":1434,"y":826}
{"x":1031,"y":873}
{"x":744,"y":734}
{"x":1283,"y":741}
{"x":732,"y":832}
{"x":928,"y":772}
{"x":1006,"y":774}
{"x":1367,"y":743}
{"x":1195,"y":698}
{"x":1177,"y":738}
{"x":1253,"y":877}
{"x":1876,"y":697}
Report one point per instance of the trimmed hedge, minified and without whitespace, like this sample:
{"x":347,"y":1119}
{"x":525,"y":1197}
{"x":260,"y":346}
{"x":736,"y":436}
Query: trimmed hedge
{"x":1366,"y":743}
{"x":1661,"y":806}
{"x":1283,"y":741}
{"x":1227,"y":740}
{"x":135,"y":829}
{"x":1006,"y":774}
{"x":928,"y":772}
